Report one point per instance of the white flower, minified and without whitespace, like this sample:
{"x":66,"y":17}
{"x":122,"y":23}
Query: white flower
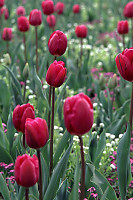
{"x":113,"y":166}
{"x":108,"y":145}
{"x":107,"y":135}
{"x":112,"y":136}
{"x":120,"y":136}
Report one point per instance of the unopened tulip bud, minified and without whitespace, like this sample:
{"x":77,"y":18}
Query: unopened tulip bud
{"x":26,"y":71}
{"x":102,"y":81}
{"x":7,"y":59}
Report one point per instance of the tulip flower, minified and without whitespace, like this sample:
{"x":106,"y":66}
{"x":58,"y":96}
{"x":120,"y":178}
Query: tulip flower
{"x":20,"y":114}
{"x":48,"y":7}
{"x":78,"y":118}
{"x":124,"y":62}
{"x":57,"y":43}
{"x":78,"y":114}
{"x":35,"y":19}
{"x":81,"y":31}
{"x":20,"y":11}
{"x":56,"y":74}
{"x":4,"y":11}
{"x":51,"y":20}
{"x":36,"y":132}
{"x":7,"y":34}
{"x":59,"y":8}
{"x":26,"y":170}
{"x":23,"y":24}
{"x":122,"y":28}
{"x":2,"y":2}
{"x":76,"y":8}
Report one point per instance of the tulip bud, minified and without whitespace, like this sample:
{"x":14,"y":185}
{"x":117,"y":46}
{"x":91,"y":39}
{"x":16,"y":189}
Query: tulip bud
{"x":81,"y":31}
{"x":7,"y":59}
{"x":26,"y":71}
{"x":23,"y":24}
{"x":128,"y":10}
{"x":2,"y":3}
{"x":48,"y":7}
{"x":20,"y":114}
{"x":51,"y":20}
{"x":26,"y":170}
{"x":76,"y":8}
{"x":36,"y":132}
{"x":4,"y":11}
{"x":56,"y":74}
{"x":20,"y":11}
{"x":122,"y":27}
{"x":78,"y":114}
{"x":59,"y":8}
{"x":112,"y":83}
{"x":35,"y":17}
{"x":57,"y":43}
{"x":124,"y":62}
{"x":102,"y":81}
{"x":7,"y":34}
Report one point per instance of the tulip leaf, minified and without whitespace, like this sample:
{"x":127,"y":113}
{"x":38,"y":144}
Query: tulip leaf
{"x":61,"y":146}
{"x":57,"y":175}
{"x":4,"y":189}
{"x":62,"y":192}
{"x":105,"y":194}
{"x":75,"y":194}
{"x":123,"y":160}
{"x":34,"y":191}
{"x":5,"y":156}
{"x":21,"y":193}
{"x":101,"y":184}
{"x":11,"y":188}
{"x":3,"y":140}
{"x":10,"y":130}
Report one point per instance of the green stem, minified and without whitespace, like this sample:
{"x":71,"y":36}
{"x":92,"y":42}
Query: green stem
{"x":40,"y":175}
{"x":26,"y":193}
{"x":25,"y":49}
{"x":123,"y":41}
{"x":52,"y":131}
{"x":49,"y":113}
{"x":131,"y":110}
{"x":82,"y":169}
{"x":24,"y":140}
{"x":36,"y":49}
{"x":81,"y":51}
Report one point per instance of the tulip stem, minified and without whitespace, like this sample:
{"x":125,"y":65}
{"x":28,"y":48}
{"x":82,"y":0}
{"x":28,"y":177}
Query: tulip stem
{"x":131,"y":109}
{"x":40,"y":175}
{"x":49,"y":99}
{"x":25,"y":49}
{"x":123,"y":41}
{"x":24,"y":140}
{"x":26,"y":193}
{"x":82,"y":169}
{"x":24,"y":91}
{"x":81,"y":51}
{"x":52,"y":131}
{"x":36,"y":49}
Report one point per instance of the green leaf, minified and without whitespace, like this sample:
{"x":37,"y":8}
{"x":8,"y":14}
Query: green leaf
{"x":98,"y":181}
{"x":103,"y":101}
{"x":34,"y":191}
{"x":11,"y":188}
{"x":5,"y":156}
{"x":62,"y":192}
{"x":21,"y":193}
{"x":124,"y":175}
{"x":10,"y":130}
{"x":4,"y":189}
{"x":75,"y":194}
{"x":105,"y":194}
{"x":109,"y":106}
{"x":61,"y":146}
{"x":3,"y":140}
{"x":57,"y":174}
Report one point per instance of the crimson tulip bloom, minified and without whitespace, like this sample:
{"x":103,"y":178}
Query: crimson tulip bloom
{"x":78,"y":114}
{"x":51,"y":20}
{"x":20,"y":11}
{"x":57,"y":43}
{"x":59,"y":8}
{"x":4,"y":11}
{"x":48,"y":7}
{"x":128,"y":10}
{"x":122,"y":27}
{"x":35,"y":17}
{"x":7,"y":34}
{"x":36,"y":132}
{"x":26,"y":170}
{"x":81,"y":31}
{"x":56,"y":74}
{"x":2,"y":2}
{"x":23,"y":24}
{"x":76,"y":8}
{"x":20,"y":114}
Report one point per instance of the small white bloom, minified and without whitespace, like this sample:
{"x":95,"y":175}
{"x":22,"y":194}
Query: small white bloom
{"x":120,"y":136}
{"x":108,"y":145}
{"x":94,"y":125}
{"x":112,"y":136}
{"x":113,"y":166}
{"x":107,"y":135}
{"x":101,"y":125}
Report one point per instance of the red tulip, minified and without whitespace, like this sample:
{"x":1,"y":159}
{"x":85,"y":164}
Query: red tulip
{"x":4,"y":11}
{"x":36,"y":132}
{"x":59,"y":8}
{"x":2,"y":3}
{"x":122,"y":27}
{"x":20,"y":11}
{"x":23,"y":24}
{"x":56,"y":74}
{"x":76,"y":8}
{"x":48,"y":7}
{"x":57,"y":43}
{"x":124,"y":62}
{"x":20,"y":114}
{"x":26,"y":170}
{"x":51,"y":20}
{"x":81,"y":31}
{"x":7,"y":34}
{"x":128,"y":10}
{"x":35,"y":17}
{"x":78,"y":114}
